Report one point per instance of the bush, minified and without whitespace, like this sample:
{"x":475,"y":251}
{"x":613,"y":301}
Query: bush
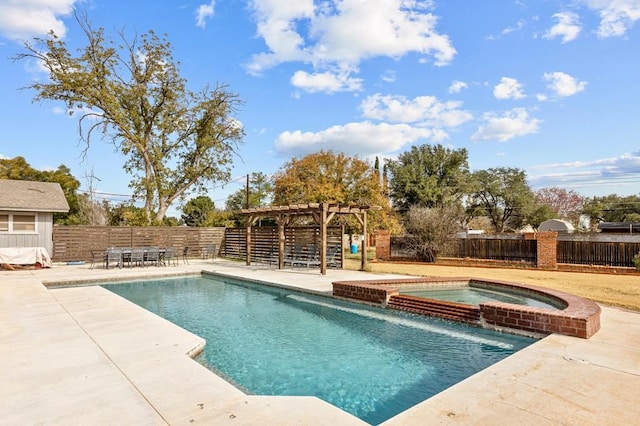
{"x":636,"y":261}
{"x":431,"y":230}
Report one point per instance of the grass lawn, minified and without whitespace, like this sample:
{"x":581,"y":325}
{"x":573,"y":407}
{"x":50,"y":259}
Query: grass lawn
{"x":614,"y":290}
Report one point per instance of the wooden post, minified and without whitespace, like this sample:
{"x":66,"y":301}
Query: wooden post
{"x":363,"y":263}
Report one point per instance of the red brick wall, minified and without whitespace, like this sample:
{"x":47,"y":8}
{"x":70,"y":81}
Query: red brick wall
{"x":547,"y":248}
{"x":383,"y":245}
{"x":368,"y":293}
{"x":539,"y":321}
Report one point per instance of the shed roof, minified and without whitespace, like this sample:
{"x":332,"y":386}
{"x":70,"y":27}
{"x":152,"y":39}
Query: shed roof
{"x":24,"y":195}
{"x":557,"y":225}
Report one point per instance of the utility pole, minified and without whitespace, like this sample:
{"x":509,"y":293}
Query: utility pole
{"x":247,"y":192}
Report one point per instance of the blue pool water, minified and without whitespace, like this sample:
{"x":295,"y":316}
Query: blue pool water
{"x":475,"y":296}
{"x":367,"y":361}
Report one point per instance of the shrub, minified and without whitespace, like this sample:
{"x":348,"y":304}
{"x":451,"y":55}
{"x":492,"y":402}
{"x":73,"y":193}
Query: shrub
{"x":431,"y":230}
{"x":636,"y":261}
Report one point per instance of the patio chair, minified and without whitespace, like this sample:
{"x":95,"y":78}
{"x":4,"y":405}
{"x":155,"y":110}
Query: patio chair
{"x":136,"y":257}
{"x":97,"y":256}
{"x":153,"y":256}
{"x":309,"y":259}
{"x":114,"y":257}
{"x":333,"y":258}
{"x":210,"y":252}
{"x":185,"y":253}
{"x":170,"y":256}
{"x":292,"y":258}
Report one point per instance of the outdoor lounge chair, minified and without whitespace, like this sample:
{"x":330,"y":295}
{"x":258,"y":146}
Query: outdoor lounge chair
{"x":333,"y":258}
{"x":292,"y":258}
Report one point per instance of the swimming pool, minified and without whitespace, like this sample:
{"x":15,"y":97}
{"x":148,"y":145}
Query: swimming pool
{"x":271,"y":341}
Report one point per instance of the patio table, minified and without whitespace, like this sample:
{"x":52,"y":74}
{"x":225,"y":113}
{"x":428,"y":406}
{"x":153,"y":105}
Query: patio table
{"x":126,"y":254}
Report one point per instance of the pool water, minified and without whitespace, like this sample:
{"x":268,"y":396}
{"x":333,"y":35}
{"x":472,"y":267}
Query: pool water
{"x":475,"y":296}
{"x":269,"y":341}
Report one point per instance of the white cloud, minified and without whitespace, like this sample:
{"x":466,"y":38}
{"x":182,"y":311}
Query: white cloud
{"x":22,"y":20}
{"x":389,"y":76}
{"x":423,"y":110}
{"x":568,"y":27}
{"x":616,"y":16}
{"x":511,"y":124}
{"x":563,"y":84}
{"x":457,"y":86}
{"x":204,"y":12}
{"x":338,"y":34}
{"x":612,"y":172}
{"x":362,"y":139}
{"x":326,"y":82}
{"x":508,"y":88}
{"x":519,"y":26}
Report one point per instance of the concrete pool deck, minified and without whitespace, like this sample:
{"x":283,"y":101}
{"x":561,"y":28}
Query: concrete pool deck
{"x":82,"y":355}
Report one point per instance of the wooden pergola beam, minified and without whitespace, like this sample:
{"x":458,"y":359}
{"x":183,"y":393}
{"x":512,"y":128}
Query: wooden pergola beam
{"x":322,"y":214}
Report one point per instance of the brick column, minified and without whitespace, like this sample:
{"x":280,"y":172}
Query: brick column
{"x":383,"y":244}
{"x":546,"y":248}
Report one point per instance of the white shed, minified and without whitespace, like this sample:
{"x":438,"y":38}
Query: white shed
{"x":556,"y":225}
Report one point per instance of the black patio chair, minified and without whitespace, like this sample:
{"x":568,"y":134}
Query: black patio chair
{"x":97,"y":256}
{"x":170,"y":256}
{"x":185,"y":253}
{"x":153,"y":256}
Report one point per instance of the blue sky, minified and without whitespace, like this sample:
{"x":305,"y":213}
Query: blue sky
{"x":551,"y":87}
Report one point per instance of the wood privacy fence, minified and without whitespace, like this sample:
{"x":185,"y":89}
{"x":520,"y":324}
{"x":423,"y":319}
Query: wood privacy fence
{"x":605,"y":253}
{"x":72,"y":243}
{"x":596,"y":249}
{"x":264,"y":242}
{"x":508,"y":249}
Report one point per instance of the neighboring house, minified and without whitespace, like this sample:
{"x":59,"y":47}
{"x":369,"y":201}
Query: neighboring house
{"x":619,"y":227}
{"x":26,"y":212}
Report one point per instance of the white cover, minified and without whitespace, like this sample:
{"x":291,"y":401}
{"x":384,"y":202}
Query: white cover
{"x":25,"y":256}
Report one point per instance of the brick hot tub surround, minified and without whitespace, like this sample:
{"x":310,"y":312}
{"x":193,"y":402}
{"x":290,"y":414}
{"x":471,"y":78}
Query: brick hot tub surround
{"x":576,"y":316}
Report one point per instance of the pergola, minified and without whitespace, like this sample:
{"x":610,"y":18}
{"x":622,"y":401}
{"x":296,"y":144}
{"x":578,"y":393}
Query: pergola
{"x":322,"y":214}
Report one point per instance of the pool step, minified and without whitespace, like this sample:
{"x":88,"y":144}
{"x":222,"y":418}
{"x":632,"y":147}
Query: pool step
{"x":435,"y":308}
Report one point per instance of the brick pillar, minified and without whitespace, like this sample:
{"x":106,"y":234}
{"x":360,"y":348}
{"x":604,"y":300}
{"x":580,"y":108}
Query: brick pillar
{"x":546,"y":248}
{"x":383,"y":244}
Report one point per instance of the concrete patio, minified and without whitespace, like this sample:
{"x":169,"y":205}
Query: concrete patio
{"x":82,"y":355}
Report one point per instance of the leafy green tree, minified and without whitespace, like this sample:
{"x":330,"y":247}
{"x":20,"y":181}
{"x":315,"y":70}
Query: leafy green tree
{"x":125,"y":214}
{"x":503,"y":195}
{"x":612,"y":208}
{"x":540,"y":213}
{"x":131,"y":93}
{"x":428,"y":176}
{"x":260,"y":193}
{"x":196,"y":210}
{"x":329,"y":177}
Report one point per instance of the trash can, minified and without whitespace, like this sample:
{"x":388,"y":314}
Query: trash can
{"x":354,"y":248}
